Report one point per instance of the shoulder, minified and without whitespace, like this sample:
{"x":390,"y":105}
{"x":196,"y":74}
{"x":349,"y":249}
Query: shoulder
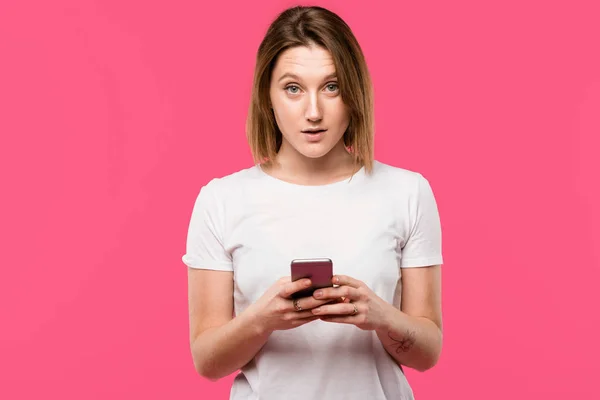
{"x":226,"y":184}
{"x":402,"y":179}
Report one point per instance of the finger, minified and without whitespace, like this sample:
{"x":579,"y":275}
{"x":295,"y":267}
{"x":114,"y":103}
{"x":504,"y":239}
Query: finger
{"x":346,"y":280}
{"x":308,"y":303}
{"x":335,"y":309}
{"x":340,"y":320}
{"x":342,"y":300}
{"x":293,"y":315}
{"x":347,"y":292}
{"x":292,"y":287}
{"x":302,"y":321}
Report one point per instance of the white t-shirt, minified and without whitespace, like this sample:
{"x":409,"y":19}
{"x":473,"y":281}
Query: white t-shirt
{"x":370,"y":226}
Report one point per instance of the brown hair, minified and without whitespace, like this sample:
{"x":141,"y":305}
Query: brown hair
{"x":306,"y":26}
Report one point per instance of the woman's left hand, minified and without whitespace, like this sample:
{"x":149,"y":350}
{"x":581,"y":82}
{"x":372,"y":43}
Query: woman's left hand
{"x":360,"y":305}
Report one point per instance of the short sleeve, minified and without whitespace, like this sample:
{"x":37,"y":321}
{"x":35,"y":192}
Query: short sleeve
{"x":424,"y":244}
{"x":204,"y":245}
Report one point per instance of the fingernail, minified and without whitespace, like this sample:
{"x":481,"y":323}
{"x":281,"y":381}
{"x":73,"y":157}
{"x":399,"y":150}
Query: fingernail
{"x":307,"y":283}
{"x":316,"y":310}
{"x":336,"y":280}
{"x":318,"y":293}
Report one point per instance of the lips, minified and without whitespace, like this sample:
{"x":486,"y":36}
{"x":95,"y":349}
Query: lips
{"x":314,"y":131}
{"x":314,"y":135}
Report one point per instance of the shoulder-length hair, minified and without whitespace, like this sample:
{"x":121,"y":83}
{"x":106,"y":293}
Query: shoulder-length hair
{"x":306,"y":26}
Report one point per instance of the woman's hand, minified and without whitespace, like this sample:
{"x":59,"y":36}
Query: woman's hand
{"x":361,"y":306}
{"x":276,"y":310}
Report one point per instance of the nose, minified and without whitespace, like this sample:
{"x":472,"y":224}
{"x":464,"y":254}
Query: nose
{"x":313,"y":109}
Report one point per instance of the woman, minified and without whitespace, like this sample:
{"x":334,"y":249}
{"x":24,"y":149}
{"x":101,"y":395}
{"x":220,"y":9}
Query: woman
{"x":315,"y":191}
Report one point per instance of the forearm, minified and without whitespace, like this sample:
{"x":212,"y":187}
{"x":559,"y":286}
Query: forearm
{"x":412,"y":341}
{"x":222,"y":350}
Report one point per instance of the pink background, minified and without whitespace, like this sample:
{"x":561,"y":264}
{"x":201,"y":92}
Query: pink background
{"x":114,"y":113}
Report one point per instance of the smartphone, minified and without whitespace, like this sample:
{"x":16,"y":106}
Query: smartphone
{"x":318,"y":270}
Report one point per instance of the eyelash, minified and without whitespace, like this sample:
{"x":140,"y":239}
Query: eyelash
{"x":329,"y":84}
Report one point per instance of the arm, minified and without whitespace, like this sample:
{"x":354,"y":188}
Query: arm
{"x":220,"y":344}
{"x":413,"y":335}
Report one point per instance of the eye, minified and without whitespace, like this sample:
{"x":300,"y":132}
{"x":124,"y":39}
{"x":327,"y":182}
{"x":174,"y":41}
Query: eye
{"x":292,"y":87}
{"x":334,"y":85}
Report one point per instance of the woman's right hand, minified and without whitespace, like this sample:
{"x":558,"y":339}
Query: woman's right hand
{"x":275,"y":309}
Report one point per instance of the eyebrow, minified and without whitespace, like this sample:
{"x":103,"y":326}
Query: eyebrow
{"x":296,"y":77}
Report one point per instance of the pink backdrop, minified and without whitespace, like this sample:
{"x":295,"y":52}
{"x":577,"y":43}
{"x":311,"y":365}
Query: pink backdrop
{"x":114,"y":113}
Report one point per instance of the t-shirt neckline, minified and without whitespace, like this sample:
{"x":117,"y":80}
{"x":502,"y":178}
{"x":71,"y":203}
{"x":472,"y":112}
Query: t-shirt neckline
{"x":358,"y":175}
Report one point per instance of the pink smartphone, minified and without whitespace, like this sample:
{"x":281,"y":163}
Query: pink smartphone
{"x":318,"y":270}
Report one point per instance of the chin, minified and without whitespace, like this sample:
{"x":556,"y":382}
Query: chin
{"x":315,"y":153}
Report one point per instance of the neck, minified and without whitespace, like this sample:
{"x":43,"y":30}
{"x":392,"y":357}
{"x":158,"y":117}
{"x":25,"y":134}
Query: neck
{"x":293,"y":167}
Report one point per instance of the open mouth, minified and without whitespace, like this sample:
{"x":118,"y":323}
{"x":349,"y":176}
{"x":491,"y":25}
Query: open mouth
{"x":314,"y":136}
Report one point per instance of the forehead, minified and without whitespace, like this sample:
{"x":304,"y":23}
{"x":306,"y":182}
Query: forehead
{"x":305,"y":62}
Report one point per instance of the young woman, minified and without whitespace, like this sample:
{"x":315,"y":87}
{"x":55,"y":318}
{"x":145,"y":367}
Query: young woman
{"x":315,"y":191}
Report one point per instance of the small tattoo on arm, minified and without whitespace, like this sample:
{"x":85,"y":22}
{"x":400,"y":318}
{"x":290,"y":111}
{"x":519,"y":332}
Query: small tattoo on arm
{"x":404,"y":344}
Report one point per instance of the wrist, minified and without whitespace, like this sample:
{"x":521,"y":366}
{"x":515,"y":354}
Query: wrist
{"x":256,"y":322}
{"x":389,"y":315}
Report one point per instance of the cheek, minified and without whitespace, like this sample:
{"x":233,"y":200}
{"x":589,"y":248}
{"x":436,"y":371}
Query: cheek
{"x":340,"y":114}
{"x":281,"y":115}
{"x":284,"y":117}
{"x":286,"y":111}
